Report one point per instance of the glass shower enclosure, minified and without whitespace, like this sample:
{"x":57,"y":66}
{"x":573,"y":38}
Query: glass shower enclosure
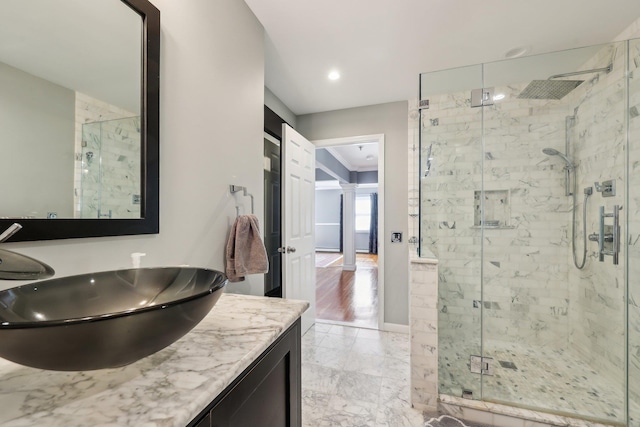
{"x":111,"y":169}
{"x":529,"y":198}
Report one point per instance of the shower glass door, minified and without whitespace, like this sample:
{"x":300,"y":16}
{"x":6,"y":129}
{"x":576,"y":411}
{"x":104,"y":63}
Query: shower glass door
{"x":111,"y":169}
{"x":450,"y":174}
{"x":91,"y":195}
{"x":555,"y":332}
{"x":633,"y":238}
{"x":518,"y":159}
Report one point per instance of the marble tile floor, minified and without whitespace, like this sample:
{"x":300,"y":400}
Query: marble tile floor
{"x":546,"y":378}
{"x":356,"y":377}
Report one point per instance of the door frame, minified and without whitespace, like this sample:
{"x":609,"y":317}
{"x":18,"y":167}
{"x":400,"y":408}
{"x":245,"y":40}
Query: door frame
{"x":362,"y":139}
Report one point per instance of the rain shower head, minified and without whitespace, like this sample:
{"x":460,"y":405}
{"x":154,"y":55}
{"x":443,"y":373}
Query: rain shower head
{"x":549,"y":89}
{"x":557,"y":89}
{"x":554,"y":152}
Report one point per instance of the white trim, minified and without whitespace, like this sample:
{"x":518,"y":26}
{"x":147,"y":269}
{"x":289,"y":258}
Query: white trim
{"x":326,"y":169}
{"x":395,"y":327}
{"x":363,"y":139}
{"x":351,"y":140}
{"x":335,"y":185}
{"x":344,"y":162}
{"x":273,"y":139}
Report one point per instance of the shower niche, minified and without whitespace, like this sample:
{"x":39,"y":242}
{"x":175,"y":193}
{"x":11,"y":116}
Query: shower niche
{"x":496,"y":207}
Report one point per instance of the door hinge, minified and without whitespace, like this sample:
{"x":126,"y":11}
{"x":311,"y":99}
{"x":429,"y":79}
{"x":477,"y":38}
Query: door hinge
{"x":481,"y":365}
{"x":482,"y":97}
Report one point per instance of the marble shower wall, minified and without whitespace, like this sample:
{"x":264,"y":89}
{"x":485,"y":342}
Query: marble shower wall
{"x":526,"y":292}
{"x":634,"y":232}
{"x":598,"y":140}
{"x":108,"y":179}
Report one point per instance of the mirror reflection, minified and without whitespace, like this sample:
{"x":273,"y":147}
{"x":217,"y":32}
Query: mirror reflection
{"x":70,"y":91}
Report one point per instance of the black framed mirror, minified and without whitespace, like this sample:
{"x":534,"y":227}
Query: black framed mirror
{"x":136,"y":123}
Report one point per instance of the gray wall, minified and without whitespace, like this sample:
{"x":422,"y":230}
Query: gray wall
{"x":278,"y":107}
{"x":391,"y":120}
{"x":369,"y":177}
{"x":327,"y":160}
{"x":211,"y":135}
{"x":37,"y":130}
{"x":323,"y":176}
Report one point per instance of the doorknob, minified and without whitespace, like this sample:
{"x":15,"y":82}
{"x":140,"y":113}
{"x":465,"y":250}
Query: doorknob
{"x":286,"y":249}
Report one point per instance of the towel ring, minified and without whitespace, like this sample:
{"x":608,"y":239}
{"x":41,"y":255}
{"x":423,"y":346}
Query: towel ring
{"x":237,"y":188}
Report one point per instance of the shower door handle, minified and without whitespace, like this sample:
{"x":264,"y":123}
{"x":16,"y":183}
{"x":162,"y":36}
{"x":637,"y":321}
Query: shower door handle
{"x":616,"y":233}
{"x":601,"y":236}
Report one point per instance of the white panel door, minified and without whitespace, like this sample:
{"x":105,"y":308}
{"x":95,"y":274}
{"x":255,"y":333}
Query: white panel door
{"x":298,"y":222}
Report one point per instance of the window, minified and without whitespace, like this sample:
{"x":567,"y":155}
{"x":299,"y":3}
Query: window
{"x":363,"y":212}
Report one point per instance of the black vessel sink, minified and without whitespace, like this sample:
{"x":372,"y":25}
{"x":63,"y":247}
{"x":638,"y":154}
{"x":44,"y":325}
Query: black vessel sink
{"x":106,"y":319}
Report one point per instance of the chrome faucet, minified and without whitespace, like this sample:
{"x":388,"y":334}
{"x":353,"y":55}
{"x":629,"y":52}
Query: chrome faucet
{"x":10,"y":232}
{"x":15,"y":266}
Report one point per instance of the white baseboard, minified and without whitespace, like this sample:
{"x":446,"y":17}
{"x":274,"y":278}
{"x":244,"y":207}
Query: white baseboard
{"x":395,"y":327}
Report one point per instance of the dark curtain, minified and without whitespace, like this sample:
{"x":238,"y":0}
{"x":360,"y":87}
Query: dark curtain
{"x":341,"y":222}
{"x":373,"y":227}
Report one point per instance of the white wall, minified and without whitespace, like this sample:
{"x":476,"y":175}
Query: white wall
{"x":211,"y":135}
{"x":391,"y":120}
{"x":328,"y":219}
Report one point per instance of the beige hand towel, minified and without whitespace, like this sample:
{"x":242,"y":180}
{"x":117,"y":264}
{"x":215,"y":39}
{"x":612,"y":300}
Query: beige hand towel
{"x":245,"y":251}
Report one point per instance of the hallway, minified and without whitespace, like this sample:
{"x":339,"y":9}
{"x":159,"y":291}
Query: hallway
{"x":347,"y":296}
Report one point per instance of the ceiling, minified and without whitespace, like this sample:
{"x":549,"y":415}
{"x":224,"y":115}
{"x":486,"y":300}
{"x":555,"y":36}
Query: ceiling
{"x":356,"y":157}
{"x":381,"y":46}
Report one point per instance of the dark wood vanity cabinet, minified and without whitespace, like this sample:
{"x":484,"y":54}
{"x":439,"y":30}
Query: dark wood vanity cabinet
{"x":267,"y":393}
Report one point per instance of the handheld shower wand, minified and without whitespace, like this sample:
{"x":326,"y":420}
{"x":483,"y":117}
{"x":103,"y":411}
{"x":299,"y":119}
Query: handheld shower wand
{"x":569,"y":167}
{"x":571,"y":170}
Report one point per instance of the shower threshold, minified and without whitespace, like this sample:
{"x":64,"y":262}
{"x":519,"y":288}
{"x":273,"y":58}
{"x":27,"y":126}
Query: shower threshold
{"x":551,"y":380}
{"x":507,"y":415}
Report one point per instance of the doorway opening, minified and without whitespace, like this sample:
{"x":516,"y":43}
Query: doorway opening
{"x":349,"y":218}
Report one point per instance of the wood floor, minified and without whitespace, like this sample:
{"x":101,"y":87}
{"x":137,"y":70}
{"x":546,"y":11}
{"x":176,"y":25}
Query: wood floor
{"x":347,"y":296}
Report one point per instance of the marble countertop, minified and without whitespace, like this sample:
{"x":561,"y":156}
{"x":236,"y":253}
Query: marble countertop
{"x":168,"y":388}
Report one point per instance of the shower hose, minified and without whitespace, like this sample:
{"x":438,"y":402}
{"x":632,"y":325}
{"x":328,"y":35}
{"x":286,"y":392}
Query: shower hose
{"x":587,"y":193}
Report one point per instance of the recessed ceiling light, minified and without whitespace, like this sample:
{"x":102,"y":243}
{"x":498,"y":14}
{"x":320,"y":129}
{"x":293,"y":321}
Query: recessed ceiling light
{"x":369,"y":157}
{"x":517,"y":51}
{"x":498,"y":96}
{"x":334,"y":75}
